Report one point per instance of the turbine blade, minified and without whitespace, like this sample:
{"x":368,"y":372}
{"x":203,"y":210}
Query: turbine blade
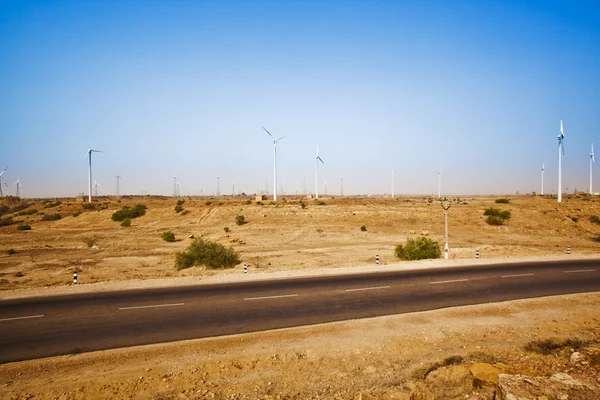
{"x":278,"y":139}
{"x":561,"y":129}
{"x":268,"y":132}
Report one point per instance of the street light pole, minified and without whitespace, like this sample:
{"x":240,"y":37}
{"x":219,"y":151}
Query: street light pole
{"x":446,"y":206}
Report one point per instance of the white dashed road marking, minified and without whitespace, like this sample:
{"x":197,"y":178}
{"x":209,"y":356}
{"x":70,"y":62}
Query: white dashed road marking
{"x":453,"y":281}
{"x":579,"y":270}
{"x":16,"y":318}
{"x":368,"y":288}
{"x":152,"y":306}
{"x":515,"y":276}
{"x":271,"y":297}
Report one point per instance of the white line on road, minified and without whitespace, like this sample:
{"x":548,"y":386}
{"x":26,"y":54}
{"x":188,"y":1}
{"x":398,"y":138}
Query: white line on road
{"x":515,"y":276}
{"x":368,"y":288}
{"x":271,"y":297}
{"x":27,"y":317}
{"x":579,"y":270}
{"x":152,"y":306}
{"x":456,"y":280}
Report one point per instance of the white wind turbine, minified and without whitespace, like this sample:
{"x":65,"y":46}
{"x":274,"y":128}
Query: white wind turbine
{"x":18,"y":185}
{"x":561,"y":152}
{"x":440,"y":183}
{"x":542,"y":192}
{"x":118,"y":177}
{"x":592,"y":160}
{"x":2,"y":179}
{"x":274,"y":162}
{"x":317,"y":173}
{"x":89,"y":153}
{"x":96,"y":184}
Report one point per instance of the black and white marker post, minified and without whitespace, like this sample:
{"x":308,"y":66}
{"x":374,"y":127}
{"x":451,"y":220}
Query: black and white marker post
{"x":377,"y":259}
{"x":245,"y":268}
{"x":75,"y":278}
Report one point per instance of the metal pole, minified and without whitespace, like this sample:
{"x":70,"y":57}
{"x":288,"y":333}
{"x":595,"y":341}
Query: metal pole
{"x":446,"y":206}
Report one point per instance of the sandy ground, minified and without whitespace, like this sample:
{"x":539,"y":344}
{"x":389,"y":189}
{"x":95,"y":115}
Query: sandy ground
{"x":384,"y":357}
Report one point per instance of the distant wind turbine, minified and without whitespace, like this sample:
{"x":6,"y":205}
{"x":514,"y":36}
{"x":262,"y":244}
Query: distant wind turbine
{"x":317,"y":173}
{"x":440,"y":183}
{"x":2,"y":179}
{"x":274,"y":162}
{"x":96,"y":184}
{"x":118,"y":177}
{"x":561,"y":152}
{"x":592,"y":160}
{"x":89,"y":153}
{"x":18,"y":185}
{"x":542,"y":193}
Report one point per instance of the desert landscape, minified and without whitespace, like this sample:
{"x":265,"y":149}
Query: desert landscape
{"x":535,"y":348}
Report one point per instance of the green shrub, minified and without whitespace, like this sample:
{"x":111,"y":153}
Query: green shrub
{"x":302,"y":204}
{"x":502,"y":201}
{"x":76,"y":213}
{"x":226,"y":229}
{"x":418,"y":249}
{"x":89,"y":240}
{"x":240,"y":220}
{"x":220,"y":203}
{"x":594,"y":219}
{"x":3,"y":209}
{"x":129,"y":212}
{"x":168,"y":236}
{"x":51,"y":217}
{"x":322,"y":203}
{"x":208,"y":203}
{"x":88,"y":206}
{"x":23,"y":227}
{"x":6,"y":221}
{"x":178,"y":208}
{"x":18,"y":207}
{"x":126,"y":223}
{"x":491,"y":211}
{"x":32,"y":211}
{"x":180,"y":202}
{"x":207,"y":253}
{"x":248,"y":201}
{"x":548,"y":346}
{"x":495,"y":220}
{"x":11,"y":251}
{"x":53,"y":204}
{"x":363,"y":228}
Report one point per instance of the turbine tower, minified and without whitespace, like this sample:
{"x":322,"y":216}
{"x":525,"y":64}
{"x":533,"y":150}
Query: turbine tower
{"x":317,"y":173}
{"x":96,"y":184}
{"x":18,"y":185}
{"x":1,"y":179}
{"x":274,"y":162}
{"x":174,"y":186}
{"x":118,"y":177}
{"x":89,"y":153}
{"x":440,"y":183}
{"x":561,"y":152}
{"x":592,"y":160}
{"x":542,"y":193}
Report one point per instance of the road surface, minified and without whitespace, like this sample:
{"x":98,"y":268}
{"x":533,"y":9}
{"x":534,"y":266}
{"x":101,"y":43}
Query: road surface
{"x":49,"y":326}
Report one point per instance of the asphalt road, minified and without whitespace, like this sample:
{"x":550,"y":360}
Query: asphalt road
{"x":49,"y":326}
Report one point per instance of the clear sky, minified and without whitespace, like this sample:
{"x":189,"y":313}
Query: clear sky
{"x":182,"y":88}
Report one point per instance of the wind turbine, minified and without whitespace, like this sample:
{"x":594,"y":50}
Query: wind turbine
{"x":1,"y":179}
{"x":440,"y":183}
{"x":18,"y":185}
{"x":561,"y":152}
{"x":89,"y":153}
{"x":317,"y":173}
{"x":274,"y":162}
{"x":542,"y":193}
{"x":592,"y":160}
{"x":118,"y":177}
{"x":96,"y":184}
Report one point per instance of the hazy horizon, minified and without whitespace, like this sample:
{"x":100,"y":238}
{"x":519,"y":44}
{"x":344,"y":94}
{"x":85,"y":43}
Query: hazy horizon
{"x":183,"y":89}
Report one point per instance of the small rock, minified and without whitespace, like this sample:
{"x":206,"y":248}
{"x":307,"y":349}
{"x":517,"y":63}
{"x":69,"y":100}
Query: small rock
{"x":485,"y":372}
{"x":191,"y":236}
{"x":575,"y":357}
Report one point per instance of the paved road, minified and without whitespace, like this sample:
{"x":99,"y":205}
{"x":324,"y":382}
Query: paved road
{"x":49,"y":326}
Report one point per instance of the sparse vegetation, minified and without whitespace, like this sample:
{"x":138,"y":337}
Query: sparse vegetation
{"x":548,"y":346}
{"x":208,"y":203}
{"x":240,"y":220}
{"x":11,"y":251}
{"x":126,"y":223}
{"x":52,"y":204}
{"x":494,"y":220}
{"x":178,"y":208}
{"x":168,"y":236}
{"x":32,"y":211}
{"x":129,"y":212}
{"x":421,"y":373}
{"x":88,"y":206}
{"x":180,"y":202}
{"x":502,"y":201}
{"x":302,"y":204}
{"x":321,"y":203}
{"x":496,"y":216}
{"x":4,"y":209}
{"x":23,"y":227}
{"x":594,"y":219}
{"x":51,"y":217}
{"x":574,"y":219}
{"x":207,"y":253}
{"x":363,"y":228}
{"x":76,"y":214}
{"x":6,"y":221}
{"x":226,"y":229}
{"x":185,"y":212}
{"x":418,"y":249}
{"x":248,"y":201}
{"x":89,"y":240}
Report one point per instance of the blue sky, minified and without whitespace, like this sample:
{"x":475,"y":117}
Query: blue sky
{"x":182,"y":88}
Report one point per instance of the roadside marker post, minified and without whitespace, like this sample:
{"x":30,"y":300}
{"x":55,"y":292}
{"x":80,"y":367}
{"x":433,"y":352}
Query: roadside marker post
{"x":377,"y":259}
{"x":74,"y":278}
{"x":245,"y":268}
{"x":477,"y":253}
{"x":568,"y":249}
